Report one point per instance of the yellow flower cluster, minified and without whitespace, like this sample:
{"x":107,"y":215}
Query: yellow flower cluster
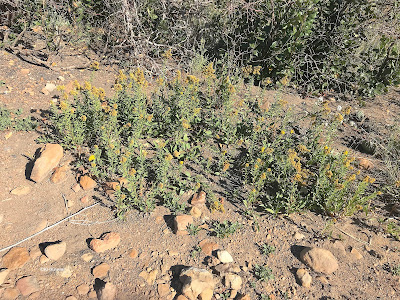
{"x":191,"y":79}
{"x":138,"y":77}
{"x":167,"y":54}
{"x":209,"y":71}
{"x":294,"y":160}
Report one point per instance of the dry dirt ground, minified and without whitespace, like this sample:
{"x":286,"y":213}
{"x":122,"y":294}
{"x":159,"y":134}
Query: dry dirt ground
{"x":358,"y":277}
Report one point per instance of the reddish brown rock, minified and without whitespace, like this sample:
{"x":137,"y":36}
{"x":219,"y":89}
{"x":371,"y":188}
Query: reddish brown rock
{"x":87,"y":183}
{"x":181,"y":223}
{"x":49,"y":158}
{"x":111,"y":185}
{"x":133,"y":253}
{"x":365,"y":164}
{"x":76,"y":188}
{"x":199,"y":199}
{"x":55,"y":251}
{"x":27,"y":285}
{"x":101,"y":270}
{"x":60,"y":174}
{"x":83,"y":289}
{"x":320,"y":260}
{"x":106,"y":242}
{"x":15,"y":258}
{"x":208,"y":246}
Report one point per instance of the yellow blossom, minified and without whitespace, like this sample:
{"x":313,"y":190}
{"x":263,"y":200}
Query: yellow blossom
{"x":91,"y":157}
{"x":123,"y":159}
{"x":132,"y":172}
{"x":83,"y":118}
{"x":63,"y":105}
{"x":95,"y":65}
{"x":168,"y":157}
{"x":226,"y":167}
{"x":167,"y":54}
{"x":263,"y":176}
{"x":347,"y":110}
{"x":149,"y":118}
{"x":177,"y":153}
{"x":87,"y":86}
{"x":283,"y":132}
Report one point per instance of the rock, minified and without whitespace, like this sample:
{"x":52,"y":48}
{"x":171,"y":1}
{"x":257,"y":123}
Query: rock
{"x":24,"y":71}
{"x":208,"y":246}
{"x":49,"y":158}
{"x":27,"y":285}
{"x":298,"y":236}
{"x":61,"y":78}
{"x":224,"y":256}
{"x":3,"y":275}
{"x":195,"y":281}
{"x":43,"y":259}
{"x":15,"y":258}
{"x":106,"y":242}
{"x":206,"y":294}
{"x":107,"y":292}
{"x":233,"y":281}
{"x":85,"y":199}
{"x":76,"y":188}
{"x":87,"y":183}
{"x":304,"y":277}
{"x":34,"y":253}
{"x":181,"y":223}
{"x":244,"y":297}
{"x":21,"y":190}
{"x":195,"y":212}
{"x":212,"y":261}
{"x":356,"y":254}
{"x":149,"y":276}
{"x":111,"y":185}
{"x":71,"y":298}
{"x":222,"y":269}
{"x":50,"y":87}
{"x":82,"y":289}
{"x":198,"y":199}
{"x":55,"y":251}
{"x":133,"y":253}
{"x":34,"y":295}
{"x":320,"y":260}
{"x":101,"y":270}
{"x":365,"y":164}
{"x":65,"y":272}
{"x":60,"y":174}
{"x":181,"y":297}
{"x":10,"y":294}
{"x":87,"y":257}
{"x":163,"y":289}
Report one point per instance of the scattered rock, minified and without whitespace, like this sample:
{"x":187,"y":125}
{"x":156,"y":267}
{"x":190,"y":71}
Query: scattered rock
{"x":82,"y":289}
{"x":101,"y":270}
{"x":50,"y":87}
{"x":181,"y":297}
{"x":163,"y":289}
{"x":21,"y":190}
{"x":298,"y":236}
{"x":320,"y":260}
{"x":356,"y":253}
{"x":222,"y":269}
{"x":10,"y":294}
{"x":61,"y":78}
{"x":43,"y":259}
{"x":212,"y":261}
{"x":195,"y":212}
{"x":304,"y":277}
{"x":181,"y":223}
{"x":133,"y":253}
{"x":233,"y":281}
{"x":198,"y":199}
{"x":87,"y":257}
{"x":76,"y":188}
{"x":87,"y":183}
{"x":65,"y":272}
{"x":107,"y":292}
{"x":340,"y":247}
{"x":365,"y":164}
{"x":195,"y":281}
{"x":49,"y":158}
{"x":27,"y":285}
{"x":71,"y":298}
{"x":111,"y":185}
{"x":85,"y":199}
{"x":3,"y":275}
{"x":106,"y":242}
{"x":15,"y":258}
{"x":149,"y":276}
{"x":224,"y":256}
{"x":208,"y":246}
{"x":55,"y":251}
{"x":60,"y":174}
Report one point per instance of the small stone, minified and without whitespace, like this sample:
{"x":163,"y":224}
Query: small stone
{"x":27,"y":285}
{"x":304,"y":277}
{"x":85,"y":199}
{"x":55,"y":251}
{"x":3,"y":275}
{"x":198,"y":199}
{"x":15,"y":258}
{"x":356,"y":253}
{"x":61,"y":78}
{"x":224,"y":256}
{"x":320,"y":260}
{"x":106,"y":242}
{"x":222,"y":269}
{"x":50,"y":87}
{"x":111,"y":185}
{"x":43,"y":259}
{"x":163,"y":289}
{"x":150,"y":276}
{"x":298,"y":236}
{"x":24,"y":71}
{"x":133,"y":253}
{"x":181,"y":223}
{"x":65,"y":272}
{"x":87,"y":183}
{"x":21,"y":190}
{"x":76,"y":187}
{"x":49,"y":158}
{"x":71,"y":298}
{"x":101,"y":270}
{"x":233,"y":281}
{"x":82,"y":289}
{"x":10,"y":294}
{"x":195,"y":212}
{"x":365,"y":164}
{"x":207,"y":246}
{"x":60,"y":174}
{"x":108,"y":292}
{"x":233,"y":294}
{"x":87,"y":257}
{"x":195,"y":281}
{"x":70,"y":203}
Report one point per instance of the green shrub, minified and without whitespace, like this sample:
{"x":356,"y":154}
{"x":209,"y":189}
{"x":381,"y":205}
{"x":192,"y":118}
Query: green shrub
{"x":11,"y":120}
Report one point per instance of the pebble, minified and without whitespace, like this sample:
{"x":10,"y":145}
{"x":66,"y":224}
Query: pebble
{"x":298,"y":236}
{"x":106,"y":242}
{"x":27,"y":285}
{"x":356,"y":253}
{"x":85,"y":199}
{"x":82,"y":289}
{"x":65,"y":272}
{"x":320,"y":260}
{"x":15,"y":258}
{"x":207,"y":246}
{"x":87,"y":183}
{"x":60,"y":174}
{"x":76,"y":188}
{"x":195,"y":281}
{"x":43,"y":259}
{"x":195,"y":212}
{"x":101,"y":270}
{"x":149,"y":276}
{"x":224,"y":256}
{"x":180,"y":224}
{"x":133,"y":253}
{"x":233,"y":281}
{"x":365,"y":164}
{"x":108,"y":292}
{"x":71,"y":298}
{"x":50,"y":87}
{"x":49,"y":158}
{"x":3,"y":275}
{"x":21,"y":190}
{"x":304,"y":277}
{"x":198,"y":199}
{"x":24,"y":71}
{"x":55,"y":251}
